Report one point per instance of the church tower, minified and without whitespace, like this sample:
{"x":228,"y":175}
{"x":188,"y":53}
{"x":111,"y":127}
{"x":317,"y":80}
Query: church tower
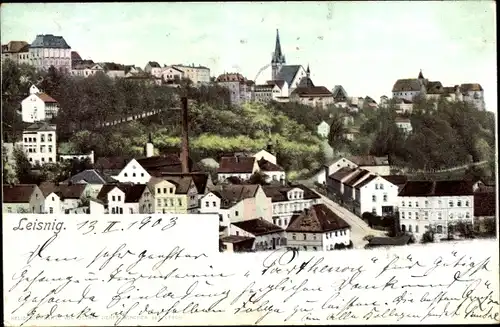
{"x":278,"y":59}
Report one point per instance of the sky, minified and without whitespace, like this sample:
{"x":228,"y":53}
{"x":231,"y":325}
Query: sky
{"x":363,"y":46}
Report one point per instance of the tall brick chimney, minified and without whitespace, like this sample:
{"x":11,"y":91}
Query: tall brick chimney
{"x":185,"y":137}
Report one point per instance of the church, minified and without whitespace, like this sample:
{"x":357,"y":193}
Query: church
{"x":300,"y":86}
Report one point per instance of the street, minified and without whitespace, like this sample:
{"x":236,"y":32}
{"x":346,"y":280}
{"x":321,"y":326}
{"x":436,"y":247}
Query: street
{"x":359,"y":229}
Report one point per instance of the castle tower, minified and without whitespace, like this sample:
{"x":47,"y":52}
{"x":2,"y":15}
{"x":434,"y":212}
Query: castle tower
{"x":278,"y":59}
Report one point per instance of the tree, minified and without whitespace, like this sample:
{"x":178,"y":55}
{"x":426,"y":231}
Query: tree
{"x":23,"y":170}
{"x":336,"y":136}
{"x":428,"y":236}
{"x":8,"y":172}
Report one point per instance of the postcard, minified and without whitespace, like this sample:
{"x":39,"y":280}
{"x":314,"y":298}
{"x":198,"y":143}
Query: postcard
{"x":326,"y":163}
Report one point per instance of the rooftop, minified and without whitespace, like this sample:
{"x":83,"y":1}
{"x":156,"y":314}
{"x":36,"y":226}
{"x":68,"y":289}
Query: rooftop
{"x":49,"y":41}
{"x":437,"y":188}
{"x":258,"y":227}
{"x":236,"y":165}
{"x":317,"y":219}
{"x":20,"y":193}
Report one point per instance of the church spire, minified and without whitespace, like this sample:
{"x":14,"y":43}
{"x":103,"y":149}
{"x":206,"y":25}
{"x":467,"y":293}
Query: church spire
{"x":420,"y":75}
{"x":278,"y":57}
{"x":308,"y":71}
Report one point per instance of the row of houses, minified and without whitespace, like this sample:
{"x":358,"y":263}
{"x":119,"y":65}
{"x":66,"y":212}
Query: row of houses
{"x":419,"y":204}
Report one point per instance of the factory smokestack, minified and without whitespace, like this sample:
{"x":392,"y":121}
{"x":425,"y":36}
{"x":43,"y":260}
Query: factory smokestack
{"x":185,"y":137}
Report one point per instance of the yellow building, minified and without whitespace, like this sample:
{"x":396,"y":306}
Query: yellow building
{"x":174,"y":195}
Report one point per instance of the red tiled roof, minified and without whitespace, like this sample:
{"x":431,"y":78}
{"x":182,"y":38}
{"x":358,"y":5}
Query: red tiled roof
{"x":312,"y":91}
{"x":268,"y":166}
{"x":236,"y":165}
{"x":20,"y":193}
{"x":258,"y":226}
{"x":46,"y":98}
{"x":437,"y":188}
{"x":318,"y":219}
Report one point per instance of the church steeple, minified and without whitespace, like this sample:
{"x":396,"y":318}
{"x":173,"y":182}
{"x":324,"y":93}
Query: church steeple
{"x":278,"y":59}
{"x":308,"y":71}
{"x":420,"y":75}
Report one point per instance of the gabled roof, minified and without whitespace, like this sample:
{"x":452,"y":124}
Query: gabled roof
{"x":434,"y":88}
{"x":314,"y":91}
{"x":231,"y":77}
{"x":339,"y":92}
{"x":46,"y":98}
{"x":265,"y":165}
{"x":41,"y":127}
{"x":111,"y":163}
{"x":437,"y":188}
{"x":356,"y":177}
{"x":20,"y":193}
{"x":318,"y":219}
{"x":287,"y":73}
{"x":236,"y":165}
{"x":153,"y":64}
{"x":232,"y":194}
{"x":342,"y":173}
{"x":75,"y":55}
{"x":134,"y":193}
{"x":91,"y":176}
{"x":278,"y":193}
{"x":258,"y":227}
{"x":306,"y":82}
{"x":64,"y":191}
{"x":200,"y":179}
{"x":485,"y":204}
{"x":408,"y":85}
{"x":49,"y":41}
{"x":366,"y":181}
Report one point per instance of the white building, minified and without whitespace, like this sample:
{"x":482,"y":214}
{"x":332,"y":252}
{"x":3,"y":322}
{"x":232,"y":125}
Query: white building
{"x":153,"y":68}
{"x":403,"y":106}
{"x":272,"y":91}
{"x":289,"y":200}
{"x":172,"y":75}
{"x":40,"y":143}
{"x":323,"y":129}
{"x":240,"y":89}
{"x":333,"y":167}
{"x":199,"y":75}
{"x":435,"y":204}
{"x":86,"y":70}
{"x":265,"y":154}
{"x":375,"y":194}
{"x":240,"y":167}
{"x":62,"y":198}
{"x":271,"y":171}
{"x":49,"y":50}
{"x":121,"y":198}
{"x":38,"y":106}
{"x":17,"y":51}
{"x":318,"y":229}
{"x":267,"y":235}
{"x":404,"y":124}
{"x":22,"y":198}
{"x":133,"y":172}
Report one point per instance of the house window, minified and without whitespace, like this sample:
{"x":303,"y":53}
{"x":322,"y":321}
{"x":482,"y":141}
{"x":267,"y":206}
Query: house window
{"x":409,"y":215}
{"x":381,"y":186}
{"x":142,"y":174}
{"x":164,"y":190}
{"x":376,"y":186}
{"x":467,"y":203}
{"x":416,"y":228}
{"x":236,"y":213}
{"x":459,"y":203}
{"x":158,"y":191}
{"x":125,"y":174}
{"x":385,"y":197}
{"x":294,"y":236}
{"x":402,"y":215}
{"x":158,"y":202}
{"x":51,"y":210}
{"x":180,"y":202}
{"x":50,"y":148}
{"x":467,"y":215}
{"x":439,"y":215}
{"x":439,"y":229}
{"x":451,"y":215}
{"x":416,"y":215}
{"x":426,"y":214}
{"x":416,"y":204}
{"x":450,"y":203}
{"x":374,"y":198}
{"x":133,"y":174}
{"x":426,"y":203}
{"x":113,"y":198}
{"x":119,"y":198}
{"x":214,"y":204}
{"x":171,"y":202}
{"x":42,"y":138}
{"x":409,"y":204}
{"x":315,"y":248}
{"x":402,"y":203}
{"x":207,"y":204}
{"x":305,"y":236}
{"x":171,"y":190}
{"x":131,"y":210}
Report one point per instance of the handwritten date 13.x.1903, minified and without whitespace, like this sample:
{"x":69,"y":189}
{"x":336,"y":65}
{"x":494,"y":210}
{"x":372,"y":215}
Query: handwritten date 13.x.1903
{"x":95,"y":226}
